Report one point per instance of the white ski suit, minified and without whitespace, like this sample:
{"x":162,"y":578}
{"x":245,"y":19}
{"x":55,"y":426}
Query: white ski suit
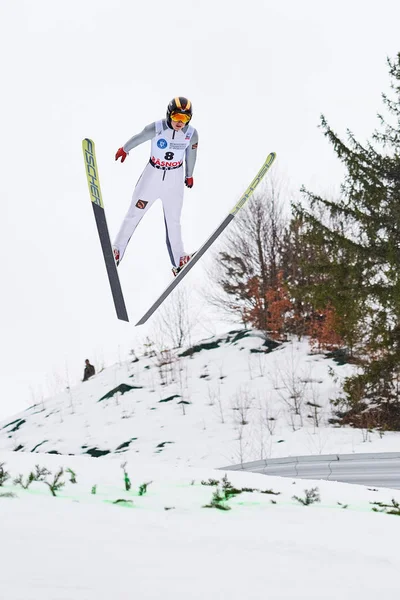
{"x":162,"y":178}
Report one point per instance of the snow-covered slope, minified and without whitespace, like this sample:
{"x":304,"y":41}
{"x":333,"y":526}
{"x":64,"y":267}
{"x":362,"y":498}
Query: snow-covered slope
{"x":96,"y":540}
{"x":152,"y":519}
{"x":228,"y":399}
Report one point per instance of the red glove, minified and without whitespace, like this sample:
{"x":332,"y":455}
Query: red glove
{"x":189,"y":182}
{"x":121,"y":154}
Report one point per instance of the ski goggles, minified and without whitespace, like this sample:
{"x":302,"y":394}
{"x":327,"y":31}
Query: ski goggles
{"x":180,"y":117}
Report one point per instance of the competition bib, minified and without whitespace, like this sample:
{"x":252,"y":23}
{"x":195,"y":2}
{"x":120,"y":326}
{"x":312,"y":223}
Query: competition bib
{"x":168,"y":146}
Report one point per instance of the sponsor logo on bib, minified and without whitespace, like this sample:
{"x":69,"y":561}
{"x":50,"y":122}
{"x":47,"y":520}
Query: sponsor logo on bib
{"x":177,"y":146}
{"x":162,"y":143}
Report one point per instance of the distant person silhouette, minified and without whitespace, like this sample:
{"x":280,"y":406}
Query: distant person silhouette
{"x":89,"y":370}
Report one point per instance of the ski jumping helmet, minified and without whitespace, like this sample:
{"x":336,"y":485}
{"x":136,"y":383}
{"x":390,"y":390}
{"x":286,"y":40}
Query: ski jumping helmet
{"x":179,"y":105}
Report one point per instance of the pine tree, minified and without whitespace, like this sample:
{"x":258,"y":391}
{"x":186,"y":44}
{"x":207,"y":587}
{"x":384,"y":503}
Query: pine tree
{"x":299,"y":258}
{"x":361,"y":233}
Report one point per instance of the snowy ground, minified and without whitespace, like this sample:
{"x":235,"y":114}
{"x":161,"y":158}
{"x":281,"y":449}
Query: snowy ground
{"x":165,"y":544}
{"x":229,"y":402}
{"x":161,"y":425}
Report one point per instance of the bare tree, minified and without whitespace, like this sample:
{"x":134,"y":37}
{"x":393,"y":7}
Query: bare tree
{"x":291,"y":386}
{"x":162,"y":356}
{"x":176,"y":319}
{"x":242,"y":404}
{"x":267,"y":416}
{"x":250,"y":249}
{"x":166,"y":362}
{"x":220,"y":403}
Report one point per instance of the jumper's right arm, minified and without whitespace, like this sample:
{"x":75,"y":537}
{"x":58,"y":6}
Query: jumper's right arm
{"x":144,"y":136}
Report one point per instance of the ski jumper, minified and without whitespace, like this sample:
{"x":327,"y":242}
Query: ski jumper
{"x":162,"y":178}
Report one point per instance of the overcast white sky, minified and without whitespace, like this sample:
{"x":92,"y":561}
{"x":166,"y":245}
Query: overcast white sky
{"x":259,"y":74}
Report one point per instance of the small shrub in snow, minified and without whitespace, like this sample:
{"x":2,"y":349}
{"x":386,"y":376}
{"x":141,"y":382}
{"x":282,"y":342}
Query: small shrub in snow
{"x":143,"y":488}
{"x":7,"y":495}
{"x":270,"y":492}
{"x":41,"y":473}
{"x":225,"y":493}
{"x":218,"y":501}
{"x":228,"y":490}
{"x":94,"y":490}
{"x":389,"y":509}
{"x":210,"y":482}
{"x":72,"y":475}
{"x":56,"y":484}
{"x":311,"y":496}
{"x":127,"y":481}
{"x":4,"y":475}
{"x":20,"y":481}
{"x":122,"y":501}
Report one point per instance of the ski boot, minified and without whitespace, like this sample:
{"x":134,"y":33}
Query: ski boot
{"x":182,"y":263}
{"x":116,"y":255}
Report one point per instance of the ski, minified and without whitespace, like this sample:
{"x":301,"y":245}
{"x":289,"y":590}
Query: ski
{"x":250,"y":190}
{"x":100,"y":216}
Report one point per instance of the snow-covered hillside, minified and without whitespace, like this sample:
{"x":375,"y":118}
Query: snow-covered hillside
{"x":151,"y":518}
{"x":226,"y":400}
